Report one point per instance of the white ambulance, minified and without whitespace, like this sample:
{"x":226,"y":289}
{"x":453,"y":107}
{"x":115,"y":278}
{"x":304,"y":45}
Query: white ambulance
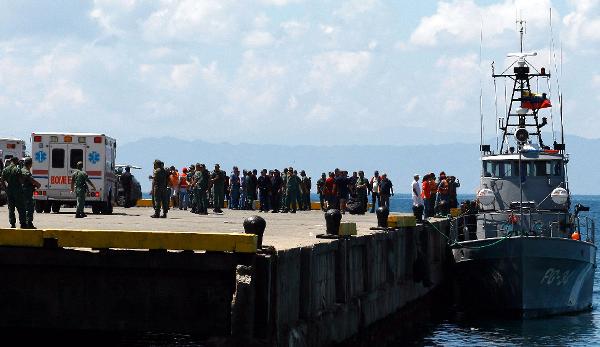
{"x":55,"y":157}
{"x":12,"y":148}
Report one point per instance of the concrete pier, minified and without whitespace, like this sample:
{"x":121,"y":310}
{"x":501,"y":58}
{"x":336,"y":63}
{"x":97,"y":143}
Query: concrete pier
{"x":298,"y":290}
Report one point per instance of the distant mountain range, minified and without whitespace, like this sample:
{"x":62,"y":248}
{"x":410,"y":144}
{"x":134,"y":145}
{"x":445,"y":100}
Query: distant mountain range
{"x":400,"y":162}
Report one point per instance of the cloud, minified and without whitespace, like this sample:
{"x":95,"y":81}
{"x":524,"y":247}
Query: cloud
{"x":354,"y":8}
{"x":258,"y":39}
{"x":319,"y":113}
{"x":191,"y":20}
{"x":183,"y":74}
{"x":332,"y":67}
{"x":62,"y":93}
{"x":583,"y":24}
{"x":280,"y":2}
{"x":295,"y":28}
{"x":461,"y":20}
{"x":460,"y":81}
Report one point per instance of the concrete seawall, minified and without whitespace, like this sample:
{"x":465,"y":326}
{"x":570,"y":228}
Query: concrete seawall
{"x":319,"y":292}
{"x":329,"y":292}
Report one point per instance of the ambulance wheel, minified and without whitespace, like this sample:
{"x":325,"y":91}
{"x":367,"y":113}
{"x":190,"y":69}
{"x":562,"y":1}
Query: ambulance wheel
{"x":121,"y":200}
{"x":95,"y":209}
{"x":47,"y":207}
{"x":56,"y":207}
{"x":107,"y":208}
{"x":39,"y":207}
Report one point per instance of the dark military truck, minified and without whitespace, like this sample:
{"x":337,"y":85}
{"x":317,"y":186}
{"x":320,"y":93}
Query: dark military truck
{"x":136,"y":188}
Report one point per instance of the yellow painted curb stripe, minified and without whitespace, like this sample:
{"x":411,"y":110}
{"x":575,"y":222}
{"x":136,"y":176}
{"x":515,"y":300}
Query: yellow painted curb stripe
{"x":217,"y":242}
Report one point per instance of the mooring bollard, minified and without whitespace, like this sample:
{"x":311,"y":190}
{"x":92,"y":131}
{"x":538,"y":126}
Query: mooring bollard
{"x":255,"y":225}
{"x":333,"y":218}
{"x":382,"y":216}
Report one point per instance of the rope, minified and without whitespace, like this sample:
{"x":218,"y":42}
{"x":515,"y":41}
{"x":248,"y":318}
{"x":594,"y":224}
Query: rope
{"x":455,"y":244}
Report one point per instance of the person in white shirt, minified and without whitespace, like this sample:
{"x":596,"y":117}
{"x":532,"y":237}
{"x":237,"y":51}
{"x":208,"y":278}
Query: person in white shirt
{"x":417,"y":200}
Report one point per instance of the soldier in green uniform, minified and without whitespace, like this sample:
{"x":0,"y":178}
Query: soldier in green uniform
{"x":361,"y":188}
{"x":320,"y":188}
{"x":292,"y":191}
{"x":12,"y":181}
{"x":159,"y":190}
{"x":217,"y":179}
{"x":29,"y":185}
{"x":79,"y":185}
{"x":284,"y":177}
{"x":306,"y":186}
{"x":192,"y":190}
{"x":201,"y":188}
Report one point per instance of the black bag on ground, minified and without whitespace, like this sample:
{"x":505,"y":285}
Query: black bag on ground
{"x":353,"y":206}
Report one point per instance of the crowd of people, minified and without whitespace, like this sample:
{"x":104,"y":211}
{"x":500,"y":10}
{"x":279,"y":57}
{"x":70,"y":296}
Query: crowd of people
{"x":287,"y":191}
{"x":434,"y":197}
{"x":199,"y":189}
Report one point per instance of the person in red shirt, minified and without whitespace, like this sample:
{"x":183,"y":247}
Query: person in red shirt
{"x":330,"y":191}
{"x":183,"y":189}
{"x":426,"y":194}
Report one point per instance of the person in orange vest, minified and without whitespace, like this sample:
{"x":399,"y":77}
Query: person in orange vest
{"x":442,"y":203}
{"x":183,"y":189}
{"x":432,"y":194}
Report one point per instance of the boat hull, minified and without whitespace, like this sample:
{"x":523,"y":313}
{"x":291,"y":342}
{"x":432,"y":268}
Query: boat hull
{"x":525,"y":276}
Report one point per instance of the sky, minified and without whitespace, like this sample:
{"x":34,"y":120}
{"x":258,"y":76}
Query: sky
{"x":286,"y":71}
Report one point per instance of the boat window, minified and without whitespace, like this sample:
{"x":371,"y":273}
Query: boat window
{"x":554,"y":168}
{"x":487,"y":169}
{"x":541,"y":168}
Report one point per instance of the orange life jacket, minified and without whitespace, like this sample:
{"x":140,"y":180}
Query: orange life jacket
{"x":432,"y":188}
{"x":183,"y":183}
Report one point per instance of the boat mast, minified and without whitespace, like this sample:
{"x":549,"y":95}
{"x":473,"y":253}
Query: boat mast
{"x":519,"y":119}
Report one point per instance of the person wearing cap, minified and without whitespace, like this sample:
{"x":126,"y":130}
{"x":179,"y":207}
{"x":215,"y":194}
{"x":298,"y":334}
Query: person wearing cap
{"x":200,"y":184}
{"x":306,"y":186}
{"x":29,"y":185}
{"x":417,"y":199}
{"x":13,"y":177}
{"x":126,"y":179}
{"x":361,"y":187}
{"x":320,"y":190}
{"x":160,"y":196}
{"x":264,"y":185}
{"x":217,"y":180}
{"x":79,"y":185}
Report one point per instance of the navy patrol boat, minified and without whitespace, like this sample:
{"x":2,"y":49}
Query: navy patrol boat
{"x":522,"y":249}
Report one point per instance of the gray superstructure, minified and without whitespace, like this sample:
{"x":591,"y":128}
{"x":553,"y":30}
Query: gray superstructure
{"x":525,"y":251}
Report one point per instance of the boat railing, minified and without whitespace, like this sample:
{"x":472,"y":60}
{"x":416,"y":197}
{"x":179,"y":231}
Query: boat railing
{"x":528,"y":223}
{"x":586,"y":228}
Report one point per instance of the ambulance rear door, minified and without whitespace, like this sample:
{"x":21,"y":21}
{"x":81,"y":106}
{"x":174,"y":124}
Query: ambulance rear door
{"x":63,"y":162}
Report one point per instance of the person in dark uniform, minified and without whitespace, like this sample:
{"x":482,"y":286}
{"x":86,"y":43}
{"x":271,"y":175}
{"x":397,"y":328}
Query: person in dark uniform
{"x":306,"y":184}
{"x":159,"y":190}
{"x":320,"y":188}
{"x":79,"y":185}
{"x":126,"y":180}
{"x":29,"y":185}
{"x":13,"y":177}
{"x":276,"y":188}
{"x":264,"y":185}
{"x":217,"y":179}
